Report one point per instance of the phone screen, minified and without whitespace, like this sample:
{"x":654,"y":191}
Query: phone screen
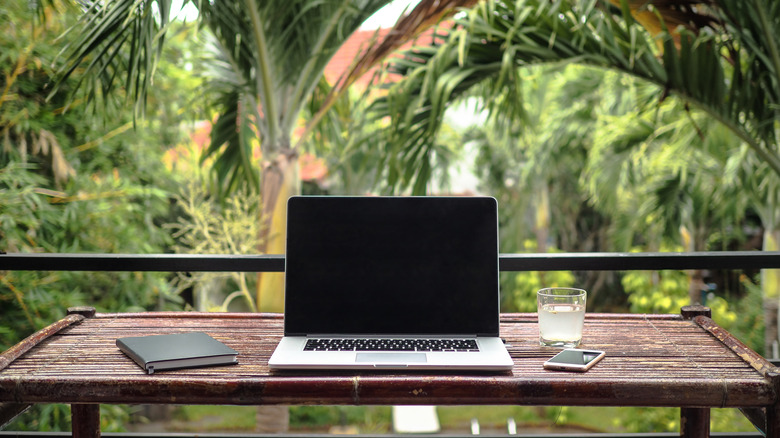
{"x":575,"y":357}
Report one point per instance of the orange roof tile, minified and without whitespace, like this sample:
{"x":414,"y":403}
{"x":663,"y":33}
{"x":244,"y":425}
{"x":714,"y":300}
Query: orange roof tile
{"x":359,"y":42}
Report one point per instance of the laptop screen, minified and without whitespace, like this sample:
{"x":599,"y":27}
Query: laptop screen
{"x":392,"y":265}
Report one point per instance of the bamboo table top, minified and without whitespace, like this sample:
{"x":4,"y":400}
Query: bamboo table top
{"x":651,"y":360}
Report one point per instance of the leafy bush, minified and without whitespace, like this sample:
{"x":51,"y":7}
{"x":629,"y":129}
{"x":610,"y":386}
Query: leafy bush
{"x":749,"y":327}
{"x":209,"y":227}
{"x":666,"y":292}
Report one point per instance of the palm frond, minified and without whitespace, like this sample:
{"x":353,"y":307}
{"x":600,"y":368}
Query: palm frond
{"x":409,"y":26}
{"x":230,"y":147}
{"x":115,"y":39}
{"x":710,"y":60}
{"x":417,"y":106}
{"x":422,"y":17}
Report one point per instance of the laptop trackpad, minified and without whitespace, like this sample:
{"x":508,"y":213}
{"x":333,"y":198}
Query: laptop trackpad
{"x":391,"y":358}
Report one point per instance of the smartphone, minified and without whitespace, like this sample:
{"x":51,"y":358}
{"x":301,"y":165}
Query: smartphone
{"x":573,"y":359}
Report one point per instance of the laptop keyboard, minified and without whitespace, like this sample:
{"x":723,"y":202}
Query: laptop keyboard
{"x":390,"y":344}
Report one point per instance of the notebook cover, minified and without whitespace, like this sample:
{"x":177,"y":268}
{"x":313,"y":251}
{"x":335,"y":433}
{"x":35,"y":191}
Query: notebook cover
{"x":181,"y":350}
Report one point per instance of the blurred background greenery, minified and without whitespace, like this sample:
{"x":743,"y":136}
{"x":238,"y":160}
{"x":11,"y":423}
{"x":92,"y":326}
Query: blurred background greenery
{"x":181,"y":134}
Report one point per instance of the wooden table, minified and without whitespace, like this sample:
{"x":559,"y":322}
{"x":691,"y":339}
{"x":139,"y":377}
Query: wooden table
{"x":684,"y":361}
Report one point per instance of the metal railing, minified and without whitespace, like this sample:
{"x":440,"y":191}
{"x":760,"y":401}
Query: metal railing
{"x":585,"y":261}
{"x":725,"y":260}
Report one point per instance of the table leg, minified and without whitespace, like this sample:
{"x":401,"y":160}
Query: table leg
{"x":773,"y":421}
{"x":694,"y":422}
{"x":85,"y":420}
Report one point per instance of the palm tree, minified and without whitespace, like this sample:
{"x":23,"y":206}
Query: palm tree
{"x":712,"y":62}
{"x":721,"y":57}
{"x":269,"y":57}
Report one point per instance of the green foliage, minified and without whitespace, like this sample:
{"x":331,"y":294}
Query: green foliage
{"x":663,"y":173}
{"x":114,"y":418}
{"x":667,"y":291}
{"x":656,"y":291}
{"x":528,"y":282}
{"x":32,"y":129}
{"x":72,"y":181}
{"x":106,"y":213}
{"x":303,"y":419}
{"x":644,"y":420}
{"x":378,"y":419}
{"x":43,"y":418}
{"x":654,"y":420}
{"x":371,"y":418}
{"x":543,"y":153}
{"x":207,"y":226}
{"x":197,"y":418}
{"x":24,"y":206}
{"x":533,"y":165}
{"x":494,"y":38}
{"x":347,"y":142}
{"x":57,"y":417}
{"x":749,"y":327}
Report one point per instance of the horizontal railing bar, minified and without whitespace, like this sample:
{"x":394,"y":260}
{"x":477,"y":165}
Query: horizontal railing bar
{"x":586,"y":261}
{"x":12,"y":434}
{"x":640,"y":261}
{"x":142,"y":262}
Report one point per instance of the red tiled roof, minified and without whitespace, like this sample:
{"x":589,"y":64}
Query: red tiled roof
{"x":360,"y":41}
{"x":342,"y":60}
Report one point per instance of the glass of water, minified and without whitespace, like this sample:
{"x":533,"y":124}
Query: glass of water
{"x":561,"y":316}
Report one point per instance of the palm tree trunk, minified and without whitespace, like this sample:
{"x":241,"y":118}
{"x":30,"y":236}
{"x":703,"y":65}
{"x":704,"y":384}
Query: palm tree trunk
{"x":695,"y":286}
{"x":542,"y":221}
{"x":695,"y":240}
{"x":281,"y":179}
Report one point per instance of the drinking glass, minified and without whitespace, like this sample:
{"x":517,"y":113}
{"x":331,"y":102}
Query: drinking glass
{"x":561,"y":316}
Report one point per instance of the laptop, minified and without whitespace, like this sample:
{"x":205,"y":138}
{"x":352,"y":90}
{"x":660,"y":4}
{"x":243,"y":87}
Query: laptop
{"x":391,"y":283}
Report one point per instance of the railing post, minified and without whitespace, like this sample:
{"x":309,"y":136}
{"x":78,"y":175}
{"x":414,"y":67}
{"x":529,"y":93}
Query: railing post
{"x":695,"y":422}
{"x":85,"y":420}
{"x":773,"y":421}
{"x":773,"y":411}
{"x":690,"y":312}
{"x":86,"y":312}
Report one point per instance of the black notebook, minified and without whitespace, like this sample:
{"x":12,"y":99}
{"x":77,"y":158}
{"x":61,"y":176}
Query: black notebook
{"x":181,"y":350}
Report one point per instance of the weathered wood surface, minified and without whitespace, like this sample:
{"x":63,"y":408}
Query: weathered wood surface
{"x":9,"y":408}
{"x":652,"y":360}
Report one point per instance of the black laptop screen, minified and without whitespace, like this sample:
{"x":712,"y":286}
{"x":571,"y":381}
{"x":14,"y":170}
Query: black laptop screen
{"x":392,"y":265}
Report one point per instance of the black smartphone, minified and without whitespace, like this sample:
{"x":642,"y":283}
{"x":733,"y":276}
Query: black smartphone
{"x":573,"y":359}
